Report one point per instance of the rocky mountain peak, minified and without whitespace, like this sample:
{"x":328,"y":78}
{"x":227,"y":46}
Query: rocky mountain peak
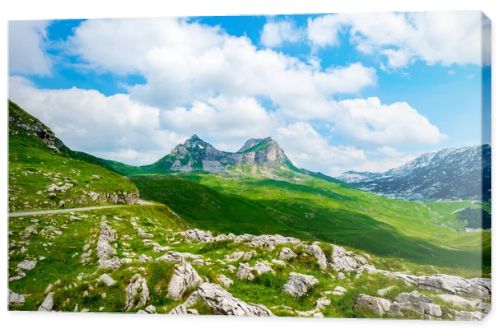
{"x":196,"y":154}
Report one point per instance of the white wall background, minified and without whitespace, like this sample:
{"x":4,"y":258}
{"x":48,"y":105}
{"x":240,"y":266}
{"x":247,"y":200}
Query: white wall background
{"x":142,"y":324}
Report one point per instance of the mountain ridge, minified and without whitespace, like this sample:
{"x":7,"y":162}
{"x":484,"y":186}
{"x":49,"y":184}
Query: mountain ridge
{"x":447,"y":174}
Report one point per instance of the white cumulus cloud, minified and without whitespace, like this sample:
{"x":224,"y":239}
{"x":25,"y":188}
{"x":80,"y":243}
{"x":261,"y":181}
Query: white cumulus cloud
{"x":276,"y":33}
{"x":26,"y":48}
{"x":434,"y":37}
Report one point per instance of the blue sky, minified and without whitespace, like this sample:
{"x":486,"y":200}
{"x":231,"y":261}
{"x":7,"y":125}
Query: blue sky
{"x":338,"y":92}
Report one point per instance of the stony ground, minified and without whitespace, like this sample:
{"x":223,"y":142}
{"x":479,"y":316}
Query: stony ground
{"x":145,"y":259}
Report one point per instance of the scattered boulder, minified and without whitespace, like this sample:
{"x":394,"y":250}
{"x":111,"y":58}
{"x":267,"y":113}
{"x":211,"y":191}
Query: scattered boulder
{"x":239,"y":256}
{"x":199,"y":235}
{"x":222,"y":302}
{"x":177,"y":257}
{"x":15,"y":298}
{"x":225,"y":281}
{"x":106,"y":279}
{"x":339,"y":291}
{"x":245,"y":272}
{"x":415,"y":303}
{"x":287,"y":254}
{"x":184,"y":278}
{"x":318,"y":253}
{"x":375,"y":305}
{"x":48,"y":303}
{"x":137,"y":292}
{"x":458,"y":301}
{"x":26,"y":264}
{"x":299,"y":284}
{"x":279,"y":263}
{"x":342,"y":260}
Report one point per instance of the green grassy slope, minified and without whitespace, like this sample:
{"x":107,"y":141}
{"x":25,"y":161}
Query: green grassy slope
{"x":34,"y":167}
{"x":314,"y":209}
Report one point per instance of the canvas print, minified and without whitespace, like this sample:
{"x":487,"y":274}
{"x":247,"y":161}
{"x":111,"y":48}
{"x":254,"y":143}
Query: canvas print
{"x":326,"y":165}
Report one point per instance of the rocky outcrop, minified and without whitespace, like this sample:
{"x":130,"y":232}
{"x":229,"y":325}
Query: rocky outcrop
{"x":15,"y":298}
{"x":299,"y":284}
{"x":183,"y":279}
{"x":318,"y":253}
{"x":239,"y":256}
{"x":476,"y":287}
{"x":48,"y":302}
{"x":375,"y":305}
{"x":246,"y":272}
{"x":414,"y":303}
{"x":343,"y":260}
{"x":221,"y":302}
{"x":287,"y":254}
{"x":106,"y":252}
{"x":137,"y":292}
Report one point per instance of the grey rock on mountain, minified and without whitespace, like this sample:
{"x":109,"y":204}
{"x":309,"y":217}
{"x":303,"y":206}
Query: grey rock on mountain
{"x":220,"y":302}
{"x":376,"y":305}
{"x":137,"y":292}
{"x":449,"y":174}
{"x":197,"y":155}
{"x":184,"y":278}
{"x":299,"y":284}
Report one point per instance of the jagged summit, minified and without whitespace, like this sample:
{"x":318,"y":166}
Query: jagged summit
{"x":197,"y":155}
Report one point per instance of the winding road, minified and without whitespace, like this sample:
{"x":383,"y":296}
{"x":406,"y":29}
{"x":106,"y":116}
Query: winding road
{"x":88,"y":208}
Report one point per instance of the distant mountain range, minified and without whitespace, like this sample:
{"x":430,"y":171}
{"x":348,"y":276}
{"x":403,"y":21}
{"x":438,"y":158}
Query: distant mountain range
{"x":449,"y":174}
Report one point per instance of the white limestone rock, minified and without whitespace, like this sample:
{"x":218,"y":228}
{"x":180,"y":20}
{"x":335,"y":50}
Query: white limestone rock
{"x":48,"y":303}
{"x":287,"y":254}
{"x":137,"y":292}
{"x":106,"y":279}
{"x":299,"y":284}
{"x":184,"y":278}
{"x":375,"y":305}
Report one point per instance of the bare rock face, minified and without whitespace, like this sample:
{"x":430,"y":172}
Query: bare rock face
{"x":222,"y":302}
{"x":299,"y":284}
{"x":375,"y":305}
{"x":183,"y":279}
{"x":415,"y":303}
{"x":137,"y":292}
{"x":287,"y":254}
{"x":48,"y":303}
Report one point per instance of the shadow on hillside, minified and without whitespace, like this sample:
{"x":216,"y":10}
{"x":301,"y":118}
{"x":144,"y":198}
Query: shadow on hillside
{"x":206,"y":208}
